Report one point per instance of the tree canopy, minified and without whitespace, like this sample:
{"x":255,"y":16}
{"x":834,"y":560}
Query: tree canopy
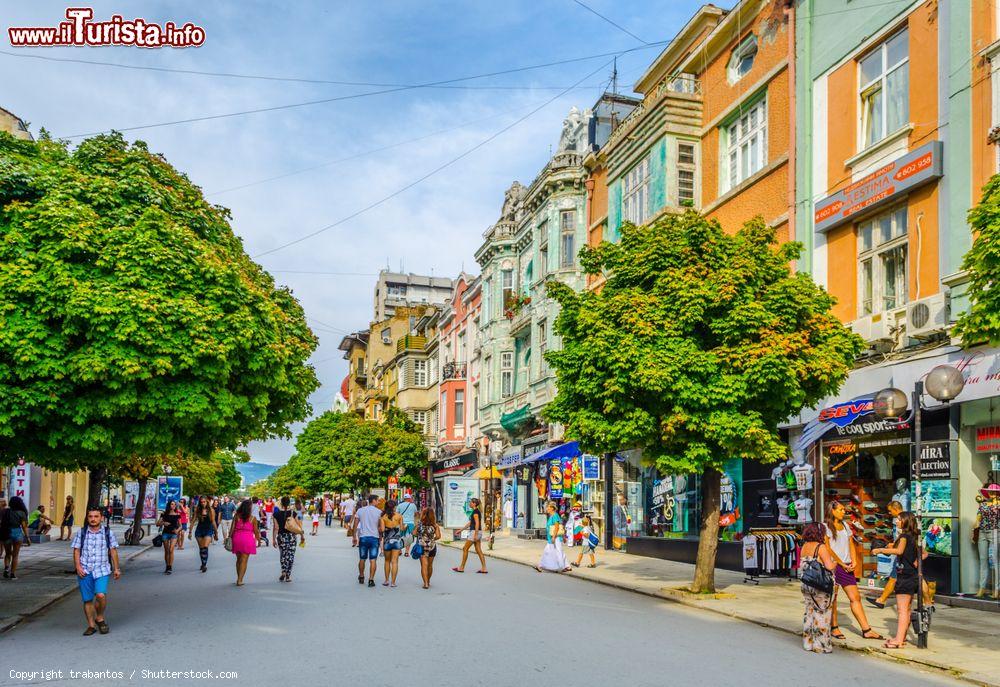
{"x":699,"y":344}
{"x":981,"y":322}
{"x":132,"y":322}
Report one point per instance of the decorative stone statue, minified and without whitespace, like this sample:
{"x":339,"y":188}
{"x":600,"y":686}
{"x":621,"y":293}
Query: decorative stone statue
{"x":574,"y":132}
{"x":511,"y":199}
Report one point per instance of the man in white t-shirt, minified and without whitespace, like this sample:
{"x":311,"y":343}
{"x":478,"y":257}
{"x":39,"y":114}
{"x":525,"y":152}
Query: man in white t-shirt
{"x":367,"y":530}
{"x":347,"y":510}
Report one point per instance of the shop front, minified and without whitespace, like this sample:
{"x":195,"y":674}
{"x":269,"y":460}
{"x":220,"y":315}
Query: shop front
{"x":446,"y":469}
{"x":540,"y":472}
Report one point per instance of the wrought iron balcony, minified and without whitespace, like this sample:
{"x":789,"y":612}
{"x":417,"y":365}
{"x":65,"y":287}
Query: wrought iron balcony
{"x":454,"y":371}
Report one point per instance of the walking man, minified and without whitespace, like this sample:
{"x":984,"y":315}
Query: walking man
{"x":409,"y":511}
{"x":328,"y":509}
{"x":95,"y":554}
{"x":367,"y":532}
{"x":347,"y":510}
{"x":226,"y":512}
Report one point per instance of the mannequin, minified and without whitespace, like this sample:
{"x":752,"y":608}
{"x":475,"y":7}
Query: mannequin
{"x":986,"y":535}
{"x":803,"y":472}
{"x":902,"y":493}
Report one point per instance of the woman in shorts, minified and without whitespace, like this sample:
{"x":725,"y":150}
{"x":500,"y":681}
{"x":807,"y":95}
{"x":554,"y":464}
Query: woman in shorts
{"x":427,"y":533}
{"x":392,"y":542}
{"x":170,"y":521}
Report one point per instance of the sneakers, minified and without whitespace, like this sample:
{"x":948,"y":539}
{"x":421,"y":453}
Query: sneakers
{"x":168,"y":571}
{"x":361,"y":579}
{"x":371,"y":583}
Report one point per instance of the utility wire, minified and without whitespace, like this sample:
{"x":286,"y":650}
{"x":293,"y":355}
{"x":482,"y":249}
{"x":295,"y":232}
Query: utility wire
{"x":364,"y":153}
{"x":429,"y":174}
{"x":617,"y":26}
{"x":259,"y":77}
{"x":354,"y":96}
{"x":329,"y":274}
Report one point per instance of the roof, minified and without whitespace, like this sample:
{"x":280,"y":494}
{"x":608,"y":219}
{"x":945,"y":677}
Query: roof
{"x":415,"y":279}
{"x":663,"y":65}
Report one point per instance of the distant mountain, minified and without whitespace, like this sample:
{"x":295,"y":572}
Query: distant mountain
{"x":254,"y":472}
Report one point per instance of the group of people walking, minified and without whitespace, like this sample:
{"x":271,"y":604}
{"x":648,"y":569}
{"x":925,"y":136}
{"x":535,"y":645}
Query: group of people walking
{"x":830,"y":562}
{"x":392,"y":530}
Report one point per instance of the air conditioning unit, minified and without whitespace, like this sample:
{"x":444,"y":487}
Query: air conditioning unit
{"x":872,"y":328}
{"x":927,"y":316}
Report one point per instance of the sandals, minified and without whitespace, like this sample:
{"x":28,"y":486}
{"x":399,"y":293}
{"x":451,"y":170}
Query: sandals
{"x":102,"y":626}
{"x":875,"y":602}
{"x":575,"y":565}
{"x":482,"y":572}
{"x":873,"y":635}
{"x":90,"y":631}
{"x":836,"y":633}
{"x":457,"y":570}
{"x":892,"y":644}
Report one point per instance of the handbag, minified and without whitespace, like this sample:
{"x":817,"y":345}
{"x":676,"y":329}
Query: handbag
{"x":158,"y":540}
{"x":292,"y":525}
{"x":594,"y":540}
{"x":814,"y":574}
{"x":416,"y":552}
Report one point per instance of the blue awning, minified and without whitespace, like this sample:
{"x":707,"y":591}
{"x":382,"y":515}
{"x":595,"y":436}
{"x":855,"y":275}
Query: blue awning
{"x":568,"y":450}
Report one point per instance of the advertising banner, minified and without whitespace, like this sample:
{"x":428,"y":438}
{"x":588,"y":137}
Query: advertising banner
{"x":168,"y":488}
{"x":935,"y":461}
{"x":457,"y":496}
{"x":132,"y":496}
{"x":931,"y":498}
{"x":21,"y":482}
{"x":555,"y":478}
{"x":591,"y":467}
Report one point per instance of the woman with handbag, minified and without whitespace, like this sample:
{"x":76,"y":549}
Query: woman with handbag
{"x":286,"y":526}
{"x":817,"y":566}
{"x":170,"y":521}
{"x":392,"y":542}
{"x":426,"y":533}
{"x":553,"y":558}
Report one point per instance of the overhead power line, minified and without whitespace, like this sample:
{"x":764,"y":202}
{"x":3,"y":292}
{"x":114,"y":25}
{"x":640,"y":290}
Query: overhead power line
{"x":429,"y":174}
{"x":262,"y":77}
{"x":190,"y":120}
{"x":616,"y":25}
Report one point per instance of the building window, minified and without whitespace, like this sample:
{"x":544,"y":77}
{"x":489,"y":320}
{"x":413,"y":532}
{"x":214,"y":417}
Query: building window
{"x":747,"y":143}
{"x":487,"y":301}
{"x":741,"y":61}
{"x":882,"y":252}
{"x":543,"y":250}
{"x":444,"y":410}
{"x":884,"y":77}
{"x":419,"y":373}
{"x":635,"y":193}
{"x":488,"y":367}
{"x":459,"y":407}
{"x":543,"y":345}
{"x":475,"y":403}
{"x":420,"y":417}
{"x":398,"y":290}
{"x":506,"y":374}
{"x":460,"y":348}
{"x":686,"y":170}
{"x":506,"y":287}
{"x":567,"y":236}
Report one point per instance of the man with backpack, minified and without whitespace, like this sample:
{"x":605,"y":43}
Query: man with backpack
{"x":95,"y":554}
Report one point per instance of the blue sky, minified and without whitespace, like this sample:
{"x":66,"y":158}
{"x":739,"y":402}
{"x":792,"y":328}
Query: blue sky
{"x":433,"y":227}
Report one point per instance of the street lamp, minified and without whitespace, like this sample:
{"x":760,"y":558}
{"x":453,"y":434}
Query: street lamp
{"x":943,"y":383}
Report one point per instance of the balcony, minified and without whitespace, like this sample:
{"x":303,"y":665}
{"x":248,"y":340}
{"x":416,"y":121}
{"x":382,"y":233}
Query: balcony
{"x":411,"y":342}
{"x":454,"y":371}
{"x":682,"y":87}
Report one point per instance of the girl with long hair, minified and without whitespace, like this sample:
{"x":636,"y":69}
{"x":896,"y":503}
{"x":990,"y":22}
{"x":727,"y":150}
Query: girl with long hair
{"x":840,"y":541}
{"x":283,"y":539}
{"x":244,"y":538}
{"x":66,"y":524}
{"x":906,"y":550}
{"x":816,"y":621}
{"x":13,"y":534}
{"x":475,"y":538}
{"x":205,"y":526}
{"x":392,"y":542}
{"x":170,"y":521}
{"x":427,"y":533}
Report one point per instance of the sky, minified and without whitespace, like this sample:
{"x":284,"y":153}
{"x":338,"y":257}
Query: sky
{"x":336,"y":158}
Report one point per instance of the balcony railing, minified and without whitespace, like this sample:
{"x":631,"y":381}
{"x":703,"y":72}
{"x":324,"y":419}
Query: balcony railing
{"x":686,"y":84}
{"x":411,"y":342}
{"x":454,"y":371}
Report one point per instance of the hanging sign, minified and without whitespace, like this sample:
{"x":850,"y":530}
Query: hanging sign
{"x":591,"y":468}
{"x":935,"y":461}
{"x":555,"y":478}
{"x":21,"y":484}
{"x":988,"y":439}
{"x":882,"y":186}
{"x":168,"y":488}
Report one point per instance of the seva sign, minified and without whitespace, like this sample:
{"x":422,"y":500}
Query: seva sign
{"x":882,"y":186}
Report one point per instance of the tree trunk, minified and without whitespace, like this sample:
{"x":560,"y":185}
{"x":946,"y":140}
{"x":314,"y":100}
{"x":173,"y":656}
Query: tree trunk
{"x":134,"y":534}
{"x":708,"y":542}
{"x":94,"y":484}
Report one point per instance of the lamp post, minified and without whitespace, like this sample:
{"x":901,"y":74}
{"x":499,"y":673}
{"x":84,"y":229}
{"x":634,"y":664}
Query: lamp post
{"x":943,"y":383}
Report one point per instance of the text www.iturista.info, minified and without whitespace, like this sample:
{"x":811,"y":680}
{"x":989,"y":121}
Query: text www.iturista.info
{"x":81,"y":30}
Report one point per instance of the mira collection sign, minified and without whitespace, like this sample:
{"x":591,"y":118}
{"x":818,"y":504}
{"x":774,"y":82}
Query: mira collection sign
{"x":884,"y":185}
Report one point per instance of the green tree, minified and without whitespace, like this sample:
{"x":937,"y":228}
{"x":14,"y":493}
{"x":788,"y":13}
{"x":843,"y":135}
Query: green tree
{"x":697,"y":347}
{"x":132,"y":322}
{"x":981,"y":322}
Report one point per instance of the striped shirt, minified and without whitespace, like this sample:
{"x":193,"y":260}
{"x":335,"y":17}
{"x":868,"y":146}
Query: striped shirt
{"x":94,"y":556}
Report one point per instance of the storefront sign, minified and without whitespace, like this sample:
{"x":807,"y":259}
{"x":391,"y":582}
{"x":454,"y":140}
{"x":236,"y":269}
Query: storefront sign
{"x":844,"y":414}
{"x":555,"y":479}
{"x":510,"y":460}
{"x":871,"y":424}
{"x":591,"y":467}
{"x":935,"y":461}
{"x":459,"y":463}
{"x":988,"y":439}
{"x":842,"y":449}
{"x":21,"y":483}
{"x":882,"y":186}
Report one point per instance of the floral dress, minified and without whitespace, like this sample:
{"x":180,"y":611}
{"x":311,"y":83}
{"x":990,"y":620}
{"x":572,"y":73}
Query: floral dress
{"x":818,"y":616}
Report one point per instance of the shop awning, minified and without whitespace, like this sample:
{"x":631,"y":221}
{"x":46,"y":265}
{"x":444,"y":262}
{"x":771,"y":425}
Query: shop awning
{"x":488,"y":473}
{"x":570,"y":449}
{"x":814,"y":430}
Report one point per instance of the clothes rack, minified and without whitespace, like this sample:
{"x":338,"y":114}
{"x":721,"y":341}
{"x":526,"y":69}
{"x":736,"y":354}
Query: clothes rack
{"x":770,"y":552}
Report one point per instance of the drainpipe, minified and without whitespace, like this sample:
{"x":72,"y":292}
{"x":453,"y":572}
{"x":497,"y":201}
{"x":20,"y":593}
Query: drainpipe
{"x":790,"y":17}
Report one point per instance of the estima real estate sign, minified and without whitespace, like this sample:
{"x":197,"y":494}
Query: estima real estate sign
{"x":882,"y":186}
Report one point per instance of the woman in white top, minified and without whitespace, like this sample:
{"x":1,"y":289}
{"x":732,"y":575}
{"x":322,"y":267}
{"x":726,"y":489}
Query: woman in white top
{"x":840,"y":542}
